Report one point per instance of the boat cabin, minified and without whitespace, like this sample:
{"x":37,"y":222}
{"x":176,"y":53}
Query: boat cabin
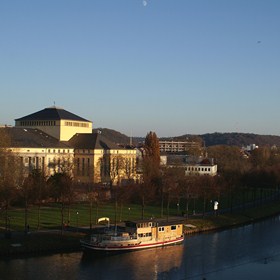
{"x":155,"y":229}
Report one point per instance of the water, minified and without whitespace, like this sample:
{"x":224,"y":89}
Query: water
{"x":248,"y":252}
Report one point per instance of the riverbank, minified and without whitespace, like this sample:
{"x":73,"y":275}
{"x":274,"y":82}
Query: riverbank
{"x":53,"y":241}
{"x":39,"y":243}
{"x":198,"y":224}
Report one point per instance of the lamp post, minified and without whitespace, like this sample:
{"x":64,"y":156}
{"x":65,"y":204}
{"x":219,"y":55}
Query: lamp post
{"x":216,"y":204}
{"x":77,"y":219}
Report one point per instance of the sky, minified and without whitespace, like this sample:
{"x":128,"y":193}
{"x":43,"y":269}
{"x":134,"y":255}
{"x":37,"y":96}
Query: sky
{"x":174,"y":67}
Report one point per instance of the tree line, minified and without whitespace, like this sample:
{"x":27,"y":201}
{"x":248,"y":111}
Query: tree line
{"x":162,"y":186}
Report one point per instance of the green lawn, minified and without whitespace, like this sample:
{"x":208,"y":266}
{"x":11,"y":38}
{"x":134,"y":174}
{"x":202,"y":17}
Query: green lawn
{"x":50,"y":216}
{"x":79,"y":213}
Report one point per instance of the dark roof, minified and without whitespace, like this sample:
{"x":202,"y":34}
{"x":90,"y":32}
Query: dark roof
{"x":92,"y":141}
{"x":207,"y":161}
{"x":159,"y":221}
{"x":52,"y":113}
{"x":32,"y":138}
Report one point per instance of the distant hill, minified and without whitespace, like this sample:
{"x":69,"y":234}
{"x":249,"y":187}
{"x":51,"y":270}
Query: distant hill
{"x":210,"y":139}
{"x":114,"y":135}
{"x":237,"y":139}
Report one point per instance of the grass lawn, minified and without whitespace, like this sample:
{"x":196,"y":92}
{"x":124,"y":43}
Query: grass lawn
{"x":78,"y":215}
{"x":41,"y":242}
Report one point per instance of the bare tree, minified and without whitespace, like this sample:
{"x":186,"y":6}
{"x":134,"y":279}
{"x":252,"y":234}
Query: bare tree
{"x":10,"y":175}
{"x":61,"y":187}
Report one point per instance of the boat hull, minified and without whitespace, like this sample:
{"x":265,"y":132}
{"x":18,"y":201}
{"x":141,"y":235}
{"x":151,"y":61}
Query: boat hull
{"x":128,"y":248}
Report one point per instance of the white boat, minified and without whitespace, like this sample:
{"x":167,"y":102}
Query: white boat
{"x":136,"y":235}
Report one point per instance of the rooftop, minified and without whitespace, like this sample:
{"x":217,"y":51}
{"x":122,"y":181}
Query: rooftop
{"x":52,"y":113}
{"x":92,"y":141}
{"x":32,"y":138}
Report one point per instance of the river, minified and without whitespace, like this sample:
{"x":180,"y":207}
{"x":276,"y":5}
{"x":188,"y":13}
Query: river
{"x":247,"y":252}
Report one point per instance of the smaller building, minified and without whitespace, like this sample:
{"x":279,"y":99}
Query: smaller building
{"x":192,"y":165}
{"x":178,"y":146}
{"x":204,"y":167}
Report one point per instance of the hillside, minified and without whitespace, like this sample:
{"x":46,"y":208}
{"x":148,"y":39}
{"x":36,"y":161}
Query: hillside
{"x":210,"y":139}
{"x":114,"y":135}
{"x":238,"y":139}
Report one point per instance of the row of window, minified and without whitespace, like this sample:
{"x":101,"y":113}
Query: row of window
{"x":41,"y":160}
{"x":83,"y":167}
{"x":199,"y":169}
{"x":76,"y":124}
{"x":37,"y":123}
{"x":147,"y":234}
{"x":55,"y":151}
{"x":161,"y":229}
{"x":144,"y":225}
{"x":59,"y":151}
{"x":82,"y":151}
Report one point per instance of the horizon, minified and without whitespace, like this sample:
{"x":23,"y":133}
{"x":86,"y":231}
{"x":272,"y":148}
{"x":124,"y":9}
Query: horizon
{"x":186,"y":134}
{"x":172,"y":67}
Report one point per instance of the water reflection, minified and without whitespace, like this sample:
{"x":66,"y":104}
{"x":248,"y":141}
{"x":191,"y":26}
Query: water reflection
{"x":156,"y":263}
{"x":59,"y":266}
{"x":232,"y":254}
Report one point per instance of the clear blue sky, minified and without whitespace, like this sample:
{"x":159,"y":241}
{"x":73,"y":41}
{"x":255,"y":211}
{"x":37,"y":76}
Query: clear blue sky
{"x":169,"y":66}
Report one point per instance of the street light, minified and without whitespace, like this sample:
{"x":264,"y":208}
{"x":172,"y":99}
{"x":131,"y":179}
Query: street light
{"x":77,"y":219}
{"x":216,"y":205}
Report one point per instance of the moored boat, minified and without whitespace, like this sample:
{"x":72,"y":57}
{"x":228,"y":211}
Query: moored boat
{"x":136,"y":235}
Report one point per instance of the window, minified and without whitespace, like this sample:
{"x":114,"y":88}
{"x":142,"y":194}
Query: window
{"x":161,"y":229}
{"x":173,"y":227}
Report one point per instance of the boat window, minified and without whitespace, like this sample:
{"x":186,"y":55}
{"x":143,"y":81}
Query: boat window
{"x":173,"y":227}
{"x":161,"y":229}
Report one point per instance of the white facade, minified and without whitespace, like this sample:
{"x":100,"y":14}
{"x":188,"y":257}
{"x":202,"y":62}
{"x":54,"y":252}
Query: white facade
{"x":49,"y":160}
{"x":201,"y":169}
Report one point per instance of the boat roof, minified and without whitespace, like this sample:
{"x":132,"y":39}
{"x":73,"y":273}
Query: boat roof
{"x":159,"y":222}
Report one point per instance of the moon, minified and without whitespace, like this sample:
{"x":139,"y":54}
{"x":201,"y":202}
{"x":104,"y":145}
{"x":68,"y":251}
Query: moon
{"x":145,"y":3}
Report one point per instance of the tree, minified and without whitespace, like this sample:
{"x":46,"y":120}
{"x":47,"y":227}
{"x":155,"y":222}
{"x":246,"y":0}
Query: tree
{"x":94,"y":195}
{"x":151,"y":158}
{"x":10,"y":174}
{"x":27,"y":193}
{"x":61,"y":188}
{"x":34,"y":190}
{"x":228,"y":158}
{"x":150,"y":168}
{"x":170,"y":186}
{"x":186,"y":190}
